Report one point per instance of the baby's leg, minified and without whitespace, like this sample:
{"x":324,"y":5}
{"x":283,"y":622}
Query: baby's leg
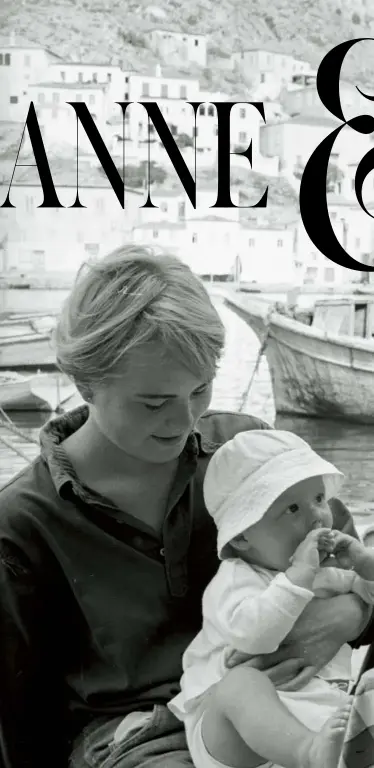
{"x":246,"y":724}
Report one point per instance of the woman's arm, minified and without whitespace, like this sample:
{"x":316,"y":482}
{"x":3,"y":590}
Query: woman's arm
{"x":32,"y":712}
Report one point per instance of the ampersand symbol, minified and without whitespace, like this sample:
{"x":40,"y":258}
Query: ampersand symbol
{"x":313,"y":194}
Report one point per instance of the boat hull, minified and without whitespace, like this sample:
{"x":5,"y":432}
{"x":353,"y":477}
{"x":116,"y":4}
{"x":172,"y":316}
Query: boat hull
{"x":41,"y":392}
{"x":31,"y":351}
{"x":312,"y":373}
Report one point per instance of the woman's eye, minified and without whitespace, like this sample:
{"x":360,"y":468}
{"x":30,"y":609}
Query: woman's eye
{"x":292,"y":509}
{"x":320,"y":498}
{"x":154,"y":407}
{"x":200,"y":391}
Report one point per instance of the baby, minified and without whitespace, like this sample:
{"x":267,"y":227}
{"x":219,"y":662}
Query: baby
{"x":268,"y":493}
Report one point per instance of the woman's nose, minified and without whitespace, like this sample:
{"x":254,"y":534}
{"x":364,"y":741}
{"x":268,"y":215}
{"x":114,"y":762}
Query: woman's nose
{"x":181,"y":417}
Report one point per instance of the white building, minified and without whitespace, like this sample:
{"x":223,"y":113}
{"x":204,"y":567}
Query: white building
{"x":56,"y":116}
{"x":267,"y":254}
{"x":269,"y":68}
{"x":55,"y":241}
{"x":179,"y":47}
{"x":304,"y":100}
{"x":355,"y":232}
{"x":210,"y":244}
{"x":294,"y":140}
{"x":21,"y":63}
{"x":171,"y":91}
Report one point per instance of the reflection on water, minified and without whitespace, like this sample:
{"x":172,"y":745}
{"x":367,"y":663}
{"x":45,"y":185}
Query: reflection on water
{"x":349,"y":446}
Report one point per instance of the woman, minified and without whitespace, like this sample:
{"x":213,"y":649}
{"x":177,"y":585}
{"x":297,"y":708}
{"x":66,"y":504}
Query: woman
{"x":106,"y":546}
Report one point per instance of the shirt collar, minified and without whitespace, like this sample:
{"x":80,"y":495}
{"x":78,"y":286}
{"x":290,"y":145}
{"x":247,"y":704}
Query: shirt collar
{"x":59,"y":428}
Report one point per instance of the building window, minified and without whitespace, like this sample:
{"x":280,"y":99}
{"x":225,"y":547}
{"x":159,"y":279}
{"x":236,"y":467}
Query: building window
{"x":164,"y":91}
{"x":251,"y":242}
{"x":242,"y":113}
{"x":13,"y":99}
{"x":195,"y":131}
{"x":27,"y":60}
{"x":201,"y":109}
{"x":196,"y":42}
{"x":329,"y":274}
{"x":312,"y":271}
{"x":1,"y":59}
{"x":109,"y":77}
{"x":80,"y":77}
{"x":63,"y":76}
{"x":91,"y":99}
{"x":55,"y":98}
{"x":183,"y":91}
{"x":92,"y":248}
{"x":194,"y":237}
{"x":7,"y":59}
{"x":279,"y":243}
{"x":211,"y":110}
{"x":126,"y":79}
{"x":126,"y":98}
{"x":262,"y":77}
{"x":41,"y":98}
{"x":151,"y":128}
{"x":94,"y":77}
{"x":145,"y":89}
{"x":242,"y":136}
{"x":182,"y":210}
{"x":155,"y":234}
{"x":164,"y":207}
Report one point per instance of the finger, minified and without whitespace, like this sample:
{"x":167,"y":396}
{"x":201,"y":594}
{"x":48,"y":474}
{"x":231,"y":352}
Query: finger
{"x":298,"y":682}
{"x":237,"y":657}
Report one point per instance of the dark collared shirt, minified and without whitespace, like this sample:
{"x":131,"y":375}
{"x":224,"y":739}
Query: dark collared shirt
{"x":95,"y":611}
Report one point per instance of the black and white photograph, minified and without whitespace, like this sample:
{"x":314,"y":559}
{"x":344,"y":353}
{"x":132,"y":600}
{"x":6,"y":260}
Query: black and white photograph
{"x":186,"y":384}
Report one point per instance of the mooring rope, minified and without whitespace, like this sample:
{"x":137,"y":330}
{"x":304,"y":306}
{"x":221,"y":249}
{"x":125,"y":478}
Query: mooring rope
{"x":260,"y":353}
{"x":7,"y":423}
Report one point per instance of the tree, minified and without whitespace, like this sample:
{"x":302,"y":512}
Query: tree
{"x":184,"y":140}
{"x":334,"y":175}
{"x":137,"y":175}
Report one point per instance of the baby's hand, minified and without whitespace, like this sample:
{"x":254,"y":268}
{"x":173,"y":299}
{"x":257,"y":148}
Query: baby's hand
{"x":350,"y":553}
{"x":306,"y":560}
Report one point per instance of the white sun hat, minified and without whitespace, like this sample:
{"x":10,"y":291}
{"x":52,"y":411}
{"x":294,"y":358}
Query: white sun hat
{"x":248,"y":473}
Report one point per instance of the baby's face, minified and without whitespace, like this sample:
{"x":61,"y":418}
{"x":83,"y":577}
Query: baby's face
{"x":274,"y":538}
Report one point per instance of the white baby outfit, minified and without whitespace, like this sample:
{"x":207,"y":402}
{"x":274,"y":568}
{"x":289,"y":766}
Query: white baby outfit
{"x":250,"y":608}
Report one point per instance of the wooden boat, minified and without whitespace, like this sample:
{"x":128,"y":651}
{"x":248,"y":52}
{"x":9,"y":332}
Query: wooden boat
{"x":322,"y":369}
{"x":36,"y":392}
{"x":20,"y":325}
{"x":27,"y":351}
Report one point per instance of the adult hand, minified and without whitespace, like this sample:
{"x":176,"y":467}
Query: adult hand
{"x":323,"y":627}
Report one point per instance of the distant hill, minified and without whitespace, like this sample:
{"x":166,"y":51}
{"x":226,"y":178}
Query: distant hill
{"x":116,"y":30}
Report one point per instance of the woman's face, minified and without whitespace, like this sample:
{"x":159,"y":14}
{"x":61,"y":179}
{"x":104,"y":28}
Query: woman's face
{"x":149,"y":411}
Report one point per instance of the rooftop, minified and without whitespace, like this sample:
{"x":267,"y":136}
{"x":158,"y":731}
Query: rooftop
{"x":71,"y":86}
{"x":160,"y":224}
{"x":313,"y":120}
{"x":173,"y":31}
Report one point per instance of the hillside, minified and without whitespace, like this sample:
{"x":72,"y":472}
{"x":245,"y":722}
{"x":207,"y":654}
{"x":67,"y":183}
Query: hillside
{"x":111,"y":30}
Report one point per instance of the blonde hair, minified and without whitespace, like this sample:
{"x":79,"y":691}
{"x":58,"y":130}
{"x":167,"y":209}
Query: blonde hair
{"x":133,"y":296}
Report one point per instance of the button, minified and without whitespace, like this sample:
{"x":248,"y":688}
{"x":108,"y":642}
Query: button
{"x":162,"y":552}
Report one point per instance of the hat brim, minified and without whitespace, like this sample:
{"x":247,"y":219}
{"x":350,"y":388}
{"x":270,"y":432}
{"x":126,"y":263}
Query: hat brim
{"x":259,"y":491}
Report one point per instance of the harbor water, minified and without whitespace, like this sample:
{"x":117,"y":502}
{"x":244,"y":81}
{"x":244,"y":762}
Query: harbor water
{"x":349,"y":446}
